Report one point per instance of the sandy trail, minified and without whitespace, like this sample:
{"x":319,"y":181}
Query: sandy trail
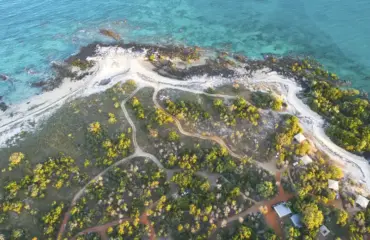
{"x":357,"y":167}
{"x":216,"y":139}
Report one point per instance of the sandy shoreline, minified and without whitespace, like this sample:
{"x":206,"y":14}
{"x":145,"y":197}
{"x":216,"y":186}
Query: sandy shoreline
{"x":119,"y":65}
{"x":313,"y":124}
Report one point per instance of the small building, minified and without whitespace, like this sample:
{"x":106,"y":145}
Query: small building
{"x":296,"y":220}
{"x":324,"y":231}
{"x":334,"y":185}
{"x":306,"y":160}
{"x":362,"y":201}
{"x":299,"y":137}
{"x":282,"y":210}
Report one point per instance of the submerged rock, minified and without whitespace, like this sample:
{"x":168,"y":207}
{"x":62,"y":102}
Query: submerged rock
{"x":4,"y":77}
{"x":111,"y":34}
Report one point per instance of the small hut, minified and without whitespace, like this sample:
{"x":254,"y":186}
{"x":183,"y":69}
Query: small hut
{"x":299,"y":137}
{"x":306,"y":160}
{"x":362,"y":201}
{"x":333,"y":184}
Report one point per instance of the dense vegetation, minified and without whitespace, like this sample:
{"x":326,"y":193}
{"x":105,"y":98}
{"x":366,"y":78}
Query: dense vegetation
{"x":240,"y":109}
{"x":347,"y":110}
{"x":267,"y":101}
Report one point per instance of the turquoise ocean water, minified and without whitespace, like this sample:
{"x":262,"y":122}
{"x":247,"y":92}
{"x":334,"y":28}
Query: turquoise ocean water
{"x":35,"y":33}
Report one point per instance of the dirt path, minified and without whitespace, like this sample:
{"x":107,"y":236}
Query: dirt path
{"x":272,"y":219}
{"x":102,"y":229}
{"x":138,"y":153}
{"x":144,"y":220}
{"x":216,"y":139}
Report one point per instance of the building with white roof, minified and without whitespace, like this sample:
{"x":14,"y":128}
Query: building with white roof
{"x":282,"y":210}
{"x":333,"y":184}
{"x":362,"y":201}
{"x":306,"y":160}
{"x":299,"y":137}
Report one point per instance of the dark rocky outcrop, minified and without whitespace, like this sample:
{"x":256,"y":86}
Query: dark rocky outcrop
{"x":3,"y":106}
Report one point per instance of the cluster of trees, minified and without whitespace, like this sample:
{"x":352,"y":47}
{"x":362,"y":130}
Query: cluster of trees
{"x":187,"y":110}
{"x":52,"y":220}
{"x":216,"y":160}
{"x":290,"y":129}
{"x":313,"y":180}
{"x":225,"y":114}
{"x":253,"y":182}
{"x":89,"y":236}
{"x":128,"y":230}
{"x":267,"y":100}
{"x":266,"y":189}
{"x":95,"y":128}
{"x":15,"y":159}
{"x":173,"y":136}
{"x":106,"y":150}
{"x":113,"y":149}
{"x":55,"y":172}
{"x":160,"y":117}
{"x":284,"y":144}
{"x":253,"y":227}
{"x":138,"y":108}
{"x":123,"y":192}
{"x":245,"y":110}
{"x":312,"y":218}
{"x":347,"y":112}
{"x":239,"y":109}
{"x":359,"y":225}
{"x":112,"y":118}
{"x":198,"y":207}
{"x":128,"y":86}
{"x":117,"y":92}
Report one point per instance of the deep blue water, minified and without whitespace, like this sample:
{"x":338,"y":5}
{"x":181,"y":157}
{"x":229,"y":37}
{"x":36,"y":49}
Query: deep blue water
{"x":35,"y":33}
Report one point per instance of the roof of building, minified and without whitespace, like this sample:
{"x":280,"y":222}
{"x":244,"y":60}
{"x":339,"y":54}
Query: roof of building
{"x":299,"y":137}
{"x":333,"y":184}
{"x":324,"y":230}
{"x":306,"y":160}
{"x":282,"y":210}
{"x":296,"y":220}
{"x":362,"y":201}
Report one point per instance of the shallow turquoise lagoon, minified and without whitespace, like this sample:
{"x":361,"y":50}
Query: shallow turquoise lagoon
{"x":36,"y":33}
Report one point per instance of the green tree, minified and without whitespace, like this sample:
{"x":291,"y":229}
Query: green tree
{"x":243,"y":233}
{"x":266,"y":189}
{"x":312,"y":216}
{"x":17,"y":234}
{"x":173,"y":136}
{"x":293,"y":233}
{"x":342,"y":217}
{"x":218,"y":102}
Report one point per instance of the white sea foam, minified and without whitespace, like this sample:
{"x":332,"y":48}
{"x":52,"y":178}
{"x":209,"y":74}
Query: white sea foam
{"x":119,"y":65}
